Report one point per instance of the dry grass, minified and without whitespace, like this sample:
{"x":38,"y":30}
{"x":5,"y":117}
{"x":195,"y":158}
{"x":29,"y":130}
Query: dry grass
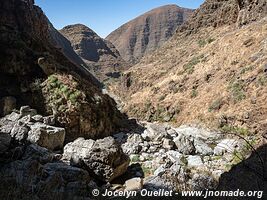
{"x":228,"y":68}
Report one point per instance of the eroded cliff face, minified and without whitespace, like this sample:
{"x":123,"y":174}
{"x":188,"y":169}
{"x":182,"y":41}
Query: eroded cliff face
{"x":100,"y":56}
{"x":147,"y":32}
{"x":215,"y":13}
{"x":28,"y":58}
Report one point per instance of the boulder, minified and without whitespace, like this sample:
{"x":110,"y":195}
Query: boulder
{"x":103,"y":158}
{"x":7,"y":105}
{"x":201,"y":182}
{"x":194,"y":161}
{"x":195,"y":132}
{"x":38,"y":118}
{"x":49,"y":120}
{"x":174,"y":156}
{"x":155,"y":132}
{"x":202,"y":148}
{"x":134,"y":184}
{"x":168,"y":144}
{"x":5,"y":140}
{"x":226,"y":145}
{"x":26,"y":110}
{"x":46,"y":136}
{"x":14,"y":116}
{"x":184,"y":144}
{"x":19,"y":132}
{"x":132,"y":146}
{"x":52,"y":180}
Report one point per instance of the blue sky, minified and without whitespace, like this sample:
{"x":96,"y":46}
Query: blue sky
{"x":103,"y":16}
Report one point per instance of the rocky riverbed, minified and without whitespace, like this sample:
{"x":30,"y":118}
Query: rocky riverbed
{"x":35,"y":159}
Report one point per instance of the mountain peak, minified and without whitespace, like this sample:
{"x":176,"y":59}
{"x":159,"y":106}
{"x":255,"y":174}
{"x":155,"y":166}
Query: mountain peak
{"x":147,"y":32}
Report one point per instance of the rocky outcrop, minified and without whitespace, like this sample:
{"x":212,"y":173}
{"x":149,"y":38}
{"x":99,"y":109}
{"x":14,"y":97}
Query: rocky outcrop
{"x":39,"y":173}
{"x":101,"y":57}
{"x":104,"y":159}
{"x":29,"y":56}
{"x":148,"y":31}
{"x":26,"y":126}
{"x":33,"y":164}
{"x":215,"y":13}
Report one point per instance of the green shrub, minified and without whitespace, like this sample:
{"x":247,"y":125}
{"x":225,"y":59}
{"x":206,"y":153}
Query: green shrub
{"x":216,"y":105}
{"x":262,"y":80}
{"x":236,"y":130}
{"x":194,"y":93}
{"x":189,"y":67}
{"x":237,"y":91}
{"x":202,"y":43}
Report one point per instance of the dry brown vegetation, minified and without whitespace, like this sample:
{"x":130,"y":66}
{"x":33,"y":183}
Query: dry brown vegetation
{"x":213,"y":77}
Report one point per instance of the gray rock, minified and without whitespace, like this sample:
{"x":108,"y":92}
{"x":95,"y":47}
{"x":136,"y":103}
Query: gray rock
{"x":134,"y":184}
{"x":38,"y":118}
{"x":154,"y":183}
{"x":13,"y":116}
{"x":7,"y":105}
{"x":202,"y":148}
{"x":201,"y":182}
{"x":184,"y":144}
{"x":120,"y":137}
{"x":26,"y":110}
{"x":26,"y":120}
{"x":7,"y":126}
{"x":103,"y":158}
{"x":19,"y":132}
{"x":194,"y":161}
{"x":49,"y":120}
{"x":5,"y":140}
{"x":155,"y":132}
{"x":46,"y":181}
{"x":132,"y":146}
{"x":46,"y":136}
{"x":195,"y":132}
{"x":226,"y":145}
{"x":168,"y":144}
{"x":174,"y":156}
{"x":160,"y":170}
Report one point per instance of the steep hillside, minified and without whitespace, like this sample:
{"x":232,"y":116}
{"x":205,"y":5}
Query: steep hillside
{"x":213,"y":71}
{"x":100,"y":55}
{"x":148,"y":31}
{"x":34,"y":72}
{"x":63,"y":44}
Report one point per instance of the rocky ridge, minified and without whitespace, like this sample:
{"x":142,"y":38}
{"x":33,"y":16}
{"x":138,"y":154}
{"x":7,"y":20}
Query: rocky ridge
{"x":147,"y":32}
{"x":101,"y":57}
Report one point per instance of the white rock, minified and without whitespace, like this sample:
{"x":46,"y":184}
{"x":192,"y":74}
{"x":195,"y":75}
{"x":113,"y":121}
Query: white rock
{"x":202,"y":148}
{"x":159,"y":171}
{"x":194,"y":161}
{"x":174,"y":156}
{"x":197,"y":132}
{"x":134,"y":184}
{"x":168,"y":144}
{"x":184,"y":144}
{"x":226,"y":145}
{"x":46,"y":136}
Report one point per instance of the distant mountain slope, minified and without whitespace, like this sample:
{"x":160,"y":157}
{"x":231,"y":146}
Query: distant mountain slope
{"x":64,"y":45}
{"x":212,"y":71}
{"x":100,"y":55}
{"x":148,"y":31}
